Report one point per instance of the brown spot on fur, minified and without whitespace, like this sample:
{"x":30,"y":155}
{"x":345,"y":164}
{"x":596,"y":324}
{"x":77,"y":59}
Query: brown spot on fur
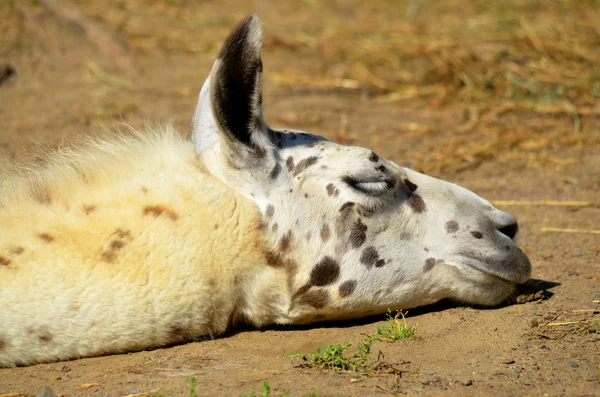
{"x":285,"y":242}
{"x":341,"y":223}
{"x":274,"y":227}
{"x":477,"y":235}
{"x":380,"y":263}
{"x":325,"y":272}
{"x":270,"y":210}
{"x":41,"y":194}
{"x":108,"y":256}
{"x":304,"y":164}
{"x":347,"y":288}
{"x":369,"y":256}
{"x":17,"y":250}
{"x":176,"y":332}
{"x":302,"y":290}
{"x":289,"y":163}
{"x":346,"y":207}
{"x":158,"y":210}
{"x":144,"y":189}
{"x":317,"y":299}
{"x":4,"y":261}
{"x":330,"y":189}
{"x":325,"y":232}
{"x":212,"y":282}
{"x":122,"y":233}
{"x":416,"y":203}
{"x":291,"y":268}
{"x":46,"y":237}
{"x":2,"y":343}
{"x":116,"y":244}
{"x":273,"y":259}
{"x":275,"y":171}
{"x":88,"y":208}
{"x":110,"y":251}
{"x":451,"y":227}
{"x":358,"y":234}
{"x":45,"y":336}
{"x":411,"y":186}
{"x":374,"y":157}
{"x":429,"y":264}
{"x":74,"y":307}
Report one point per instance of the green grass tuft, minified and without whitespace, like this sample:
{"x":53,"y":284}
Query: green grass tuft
{"x":335,"y":357}
{"x":396,"y":328}
{"x":193,"y":381}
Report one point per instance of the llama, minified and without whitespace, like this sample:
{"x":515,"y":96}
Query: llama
{"x":148,"y":239}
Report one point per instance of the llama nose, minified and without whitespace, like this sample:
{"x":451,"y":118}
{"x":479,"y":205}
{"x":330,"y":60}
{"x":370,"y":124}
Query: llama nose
{"x":506,"y":224}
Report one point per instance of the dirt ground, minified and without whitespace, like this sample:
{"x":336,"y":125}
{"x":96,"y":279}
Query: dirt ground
{"x":500,"y":97}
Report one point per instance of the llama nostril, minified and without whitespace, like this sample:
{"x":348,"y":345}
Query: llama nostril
{"x":509,"y":230}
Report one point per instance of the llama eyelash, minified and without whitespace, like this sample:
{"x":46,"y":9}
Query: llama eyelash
{"x":374,"y":188}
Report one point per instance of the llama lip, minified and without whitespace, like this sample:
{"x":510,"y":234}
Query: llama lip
{"x":514,"y":267}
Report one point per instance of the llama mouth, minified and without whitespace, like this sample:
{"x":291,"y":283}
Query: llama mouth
{"x":514,"y":267}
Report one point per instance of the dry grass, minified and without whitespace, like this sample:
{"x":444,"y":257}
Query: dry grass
{"x":524,"y":74}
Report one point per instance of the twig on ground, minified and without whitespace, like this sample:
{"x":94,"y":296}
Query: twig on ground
{"x":560,"y":230}
{"x":566,"y":323}
{"x":542,"y":203}
{"x":144,"y":394}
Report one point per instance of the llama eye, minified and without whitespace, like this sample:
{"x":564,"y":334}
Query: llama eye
{"x":375,"y":187}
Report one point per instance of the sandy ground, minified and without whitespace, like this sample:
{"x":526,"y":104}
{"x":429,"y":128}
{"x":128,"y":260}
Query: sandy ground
{"x":67,"y":86}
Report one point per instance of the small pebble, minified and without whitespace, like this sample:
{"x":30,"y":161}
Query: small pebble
{"x":465,"y":381}
{"x":533,"y":323}
{"x":576,"y":254}
{"x":516,"y":368}
{"x":428,"y":372}
{"x":431,"y":381}
{"x":508,"y":361}
{"x":573,"y":364}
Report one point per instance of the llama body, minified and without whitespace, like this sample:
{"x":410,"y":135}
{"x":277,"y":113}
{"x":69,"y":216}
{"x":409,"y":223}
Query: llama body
{"x":150,"y":239}
{"x":144,"y":252}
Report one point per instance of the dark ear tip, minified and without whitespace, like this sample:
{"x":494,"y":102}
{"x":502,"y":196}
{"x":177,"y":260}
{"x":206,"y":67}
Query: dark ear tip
{"x":246,"y":37}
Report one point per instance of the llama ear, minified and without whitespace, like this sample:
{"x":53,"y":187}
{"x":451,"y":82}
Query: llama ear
{"x":230,"y":102}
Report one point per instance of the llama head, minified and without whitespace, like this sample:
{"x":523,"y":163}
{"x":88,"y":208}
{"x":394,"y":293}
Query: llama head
{"x":354,"y":231}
